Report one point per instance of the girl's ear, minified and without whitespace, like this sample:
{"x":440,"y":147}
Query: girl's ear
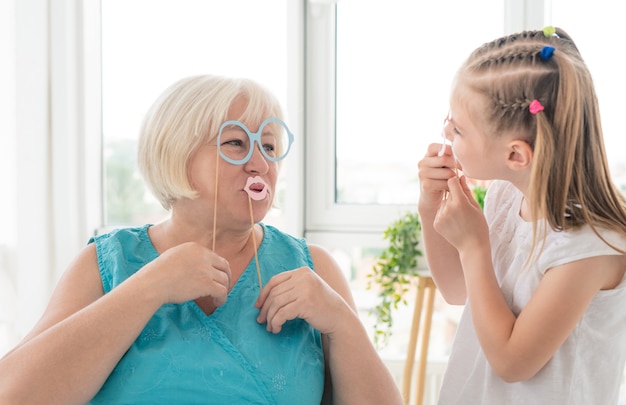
{"x":520,"y":155}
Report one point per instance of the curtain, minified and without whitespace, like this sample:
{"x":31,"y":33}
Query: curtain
{"x":50,"y":153}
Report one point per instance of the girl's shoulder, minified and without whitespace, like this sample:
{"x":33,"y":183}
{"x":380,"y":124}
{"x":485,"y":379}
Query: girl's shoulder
{"x":501,"y":198}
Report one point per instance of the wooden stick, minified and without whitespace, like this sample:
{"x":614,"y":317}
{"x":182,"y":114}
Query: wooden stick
{"x":217,"y":169}
{"x":256,"y":254}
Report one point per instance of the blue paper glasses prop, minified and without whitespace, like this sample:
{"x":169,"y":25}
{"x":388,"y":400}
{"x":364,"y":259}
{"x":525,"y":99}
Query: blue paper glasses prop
{"x":235,"y":141}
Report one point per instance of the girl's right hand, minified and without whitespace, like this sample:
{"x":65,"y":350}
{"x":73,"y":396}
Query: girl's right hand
{"x":189,"y":271}
{"x":434,"y":172}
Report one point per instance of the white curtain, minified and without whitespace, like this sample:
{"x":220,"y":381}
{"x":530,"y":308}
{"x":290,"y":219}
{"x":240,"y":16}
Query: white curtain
{"x":49,"y":152}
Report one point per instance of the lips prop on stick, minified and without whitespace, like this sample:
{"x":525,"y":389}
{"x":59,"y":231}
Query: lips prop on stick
{"x":273,"y":139}
{"x":256,"y":188}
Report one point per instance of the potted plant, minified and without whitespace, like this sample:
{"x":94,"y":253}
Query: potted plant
{"x":397,"y":266}
{"x":393,"y":272}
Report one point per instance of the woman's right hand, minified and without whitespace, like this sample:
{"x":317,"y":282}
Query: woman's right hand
{"x":190,"y":271}
{"x":87,"y":332}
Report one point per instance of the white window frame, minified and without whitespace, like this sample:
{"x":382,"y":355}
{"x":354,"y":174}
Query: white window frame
{"x":311,"y":108}
{"x":323,"y":214}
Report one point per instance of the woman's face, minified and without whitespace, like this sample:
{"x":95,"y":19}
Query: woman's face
{"x":239,"y":187}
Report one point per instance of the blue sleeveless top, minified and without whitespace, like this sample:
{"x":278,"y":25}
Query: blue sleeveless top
{"x":184,"y":356}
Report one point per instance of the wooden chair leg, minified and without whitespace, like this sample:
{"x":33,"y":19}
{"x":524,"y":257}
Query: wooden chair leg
{"x":424,"y":303}
{"x":410,"y":358}
{"x":429,"y":301}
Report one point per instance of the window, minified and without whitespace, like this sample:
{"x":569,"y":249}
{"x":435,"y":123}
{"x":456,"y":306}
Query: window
{"x":393,"y":69}
{"x":596,"y":29}
{"x":370,"y":117}
{"x":148,"y":45}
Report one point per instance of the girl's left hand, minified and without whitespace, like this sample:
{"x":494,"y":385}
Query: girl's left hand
{"x":300,"y":293}
{"x":460,"y":219}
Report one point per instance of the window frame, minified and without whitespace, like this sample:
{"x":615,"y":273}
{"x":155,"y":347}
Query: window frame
{"x":311,"y":206}
{"x":323,"y":214}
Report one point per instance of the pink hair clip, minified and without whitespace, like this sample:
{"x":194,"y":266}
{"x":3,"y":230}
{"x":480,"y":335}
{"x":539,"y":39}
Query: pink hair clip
{"x":535,"y":106}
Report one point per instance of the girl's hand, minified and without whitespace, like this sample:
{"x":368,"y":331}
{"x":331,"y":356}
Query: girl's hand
{"x":189,"y":271}
{"x":300,"y":293}
{"x":460,"y":219}
{"x":434,"y":172}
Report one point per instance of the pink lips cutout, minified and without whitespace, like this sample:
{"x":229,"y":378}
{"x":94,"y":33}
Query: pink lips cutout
{"x":256,"y":188}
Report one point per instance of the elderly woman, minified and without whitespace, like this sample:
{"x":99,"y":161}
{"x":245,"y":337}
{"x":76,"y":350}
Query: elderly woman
{"x":210,"y":305}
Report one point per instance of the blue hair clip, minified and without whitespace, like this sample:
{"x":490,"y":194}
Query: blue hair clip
{"x":546,"y":52}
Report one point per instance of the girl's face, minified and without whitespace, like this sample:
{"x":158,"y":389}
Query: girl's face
{"x":481,"y":155}
{"x":236,"y":184}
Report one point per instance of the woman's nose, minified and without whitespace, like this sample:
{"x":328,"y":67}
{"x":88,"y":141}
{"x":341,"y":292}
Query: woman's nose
{"x":257,"y":163}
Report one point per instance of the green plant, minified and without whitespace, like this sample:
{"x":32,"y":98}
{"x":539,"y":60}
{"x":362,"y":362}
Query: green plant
{"x":479,"y":192}
{"x":393,"y":272}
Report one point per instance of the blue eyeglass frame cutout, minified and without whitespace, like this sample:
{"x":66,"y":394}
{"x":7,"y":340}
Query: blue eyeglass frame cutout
{"x":254,"y":137}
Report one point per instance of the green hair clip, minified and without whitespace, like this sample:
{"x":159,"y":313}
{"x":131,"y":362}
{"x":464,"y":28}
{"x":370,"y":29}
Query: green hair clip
{"x":549,"y":31}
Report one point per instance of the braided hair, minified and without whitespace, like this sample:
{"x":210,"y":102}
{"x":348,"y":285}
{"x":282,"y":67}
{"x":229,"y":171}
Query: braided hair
{"x":570,"y":182}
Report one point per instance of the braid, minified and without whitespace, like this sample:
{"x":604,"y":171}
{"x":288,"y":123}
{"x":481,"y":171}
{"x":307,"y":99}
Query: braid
{"x":520,"y":55}
{"x":518,"y":104}
{"x":511,"y":72}
{"x":570,"y":183}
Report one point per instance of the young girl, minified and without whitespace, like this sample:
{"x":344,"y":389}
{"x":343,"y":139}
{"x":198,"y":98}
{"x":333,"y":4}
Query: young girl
{"x":542,"y":272}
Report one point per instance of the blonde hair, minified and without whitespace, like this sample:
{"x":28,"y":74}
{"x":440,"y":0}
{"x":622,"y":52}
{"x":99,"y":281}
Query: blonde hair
{"x":570,"y":182}
{"x":186,"y":115}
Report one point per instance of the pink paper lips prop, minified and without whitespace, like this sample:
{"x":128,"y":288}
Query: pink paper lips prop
{"x":256,"y":188}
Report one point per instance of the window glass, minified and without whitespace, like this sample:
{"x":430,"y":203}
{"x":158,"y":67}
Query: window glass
{"x":596,"y":29}
{"x":394,"y":68}
{"x":149,"y":44}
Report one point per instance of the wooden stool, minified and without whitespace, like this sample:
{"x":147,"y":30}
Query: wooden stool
{"x":420,"y":332}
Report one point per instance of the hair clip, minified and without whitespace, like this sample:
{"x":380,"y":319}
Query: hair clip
{"x":535,"y":106}
{"x":549,"y":31}
{"x":546,"y":52}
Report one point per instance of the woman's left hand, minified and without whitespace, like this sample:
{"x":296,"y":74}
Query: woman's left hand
{"x":300,"y":293}
{"x":460,"y":219}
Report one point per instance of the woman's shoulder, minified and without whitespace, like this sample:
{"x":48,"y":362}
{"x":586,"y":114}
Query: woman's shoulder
{"x":122,"y":234}
{"x":121,"y":252}
{"x":282,"y":243}
{"x":273,"y":235}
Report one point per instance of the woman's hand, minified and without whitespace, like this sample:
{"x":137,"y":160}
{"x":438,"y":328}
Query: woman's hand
{"x":460,"y":219}
{"x":190,"y":271}
{"x":300,"y":293}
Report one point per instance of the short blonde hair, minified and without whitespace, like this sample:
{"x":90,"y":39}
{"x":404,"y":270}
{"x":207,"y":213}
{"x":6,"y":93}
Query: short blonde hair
{"x":186,"y":115}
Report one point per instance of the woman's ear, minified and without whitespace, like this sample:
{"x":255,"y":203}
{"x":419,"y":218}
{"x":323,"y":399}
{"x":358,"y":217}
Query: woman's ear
{"x":520,"y":155}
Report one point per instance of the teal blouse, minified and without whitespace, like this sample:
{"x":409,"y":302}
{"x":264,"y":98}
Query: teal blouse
{"x":184,"y":356}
